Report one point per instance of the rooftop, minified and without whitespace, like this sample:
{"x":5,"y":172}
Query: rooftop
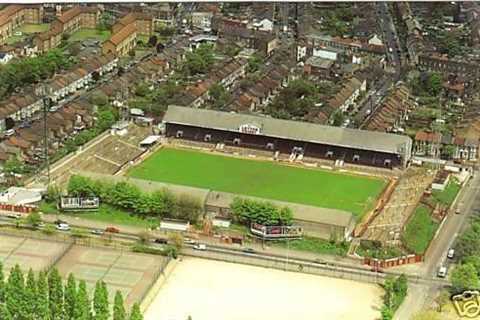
{"x":287,"y":129}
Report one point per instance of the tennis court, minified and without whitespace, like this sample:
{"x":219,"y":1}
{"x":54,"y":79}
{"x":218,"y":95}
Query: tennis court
{"x":29,"y":253}
{"x":131,"y":273}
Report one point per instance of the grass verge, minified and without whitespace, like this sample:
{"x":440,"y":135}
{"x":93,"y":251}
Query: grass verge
{"x":315,"y":245}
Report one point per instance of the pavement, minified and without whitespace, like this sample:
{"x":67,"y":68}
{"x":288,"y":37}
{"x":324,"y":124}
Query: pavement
{"x":78,"y":221}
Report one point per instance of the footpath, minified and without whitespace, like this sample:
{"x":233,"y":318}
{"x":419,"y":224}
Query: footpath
{"x":78,"y":221}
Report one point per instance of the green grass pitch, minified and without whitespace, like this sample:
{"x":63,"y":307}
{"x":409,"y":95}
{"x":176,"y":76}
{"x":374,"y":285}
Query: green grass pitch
{"x":261,"y":179}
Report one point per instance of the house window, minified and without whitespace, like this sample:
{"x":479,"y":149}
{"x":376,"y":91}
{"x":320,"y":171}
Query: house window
{"x":329,"y":154}
{"x":270,"y":146}
{"x":208,"y":137}
{"x":236,"y":141}
{"x":356,"y":157}
{"x":179,"y":134}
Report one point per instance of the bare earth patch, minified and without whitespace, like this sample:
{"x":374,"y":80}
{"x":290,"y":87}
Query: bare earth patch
{"x":211,"y":290}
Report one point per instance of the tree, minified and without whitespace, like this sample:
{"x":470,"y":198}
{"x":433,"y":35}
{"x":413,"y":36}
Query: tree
{"x":42,"y":305}
{"x":464,"y":277}
{"x":34,"y":219}
{"x":131,"y":53}
{"x":30,"y":295}
{"x":198,"y":61}
{"x":82,"y":305}
{"x":187,"y":208}
{"x":142,"y":89}
{"x":118,"y":308}
{"x":15,"y":293}
{"x":5,"y":313}
{"x":435,"y":84}
{"x":13,"y":166}
{"x":247,"y":211}
{"x":218,"y":96}
{"x":98,"y":98}
{"x":2,"y":284}
{"x":177,"y":240}
{"x":100,"y":302}
{"x":70,"y":297}
{"x":152,"y":41}
{"x":338,"y":118}
{"x":254,"y":63}
{"x":136,"y":314}
{"x":53,"y":193}
{"x":55,"y":295}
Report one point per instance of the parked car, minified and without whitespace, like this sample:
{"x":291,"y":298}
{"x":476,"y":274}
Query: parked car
{"x":98,"y":232}
{"x":63,"y":227}
{"x":442,"y":272}
{"x":160,"y":240}
{"x":200,"y":246}
{"x":189,"y":241}
{"x":112,"y":230}
{"x":451,"y":253}
{"x":248,"y":250}
{"x":9,"y":132}
{"x":39,"y":225}
{"x":58,"y":221}
{"x":14,"y":215}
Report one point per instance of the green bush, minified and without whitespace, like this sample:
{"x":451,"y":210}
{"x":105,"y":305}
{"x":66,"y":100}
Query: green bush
{"x":129,"y":197}
{"x":247,"y":211}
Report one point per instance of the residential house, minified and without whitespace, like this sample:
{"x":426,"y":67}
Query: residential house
{"x":346,"y":98}
{"x":318,"y":67}
{"x":393,"y":111}
{"x":263,"y":25}
{"x":427,"y":144}
{"x":202,"y":20}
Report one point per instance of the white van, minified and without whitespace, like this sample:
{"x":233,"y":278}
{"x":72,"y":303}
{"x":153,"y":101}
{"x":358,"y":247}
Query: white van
{"x":451,"y":254}
{"x":442,"y":272}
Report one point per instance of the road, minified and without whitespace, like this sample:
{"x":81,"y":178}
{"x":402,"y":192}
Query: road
{"x":393,"y":53}
{"x":421,"y":296}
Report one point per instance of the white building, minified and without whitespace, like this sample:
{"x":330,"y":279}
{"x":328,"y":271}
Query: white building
{"x":263,"y":25}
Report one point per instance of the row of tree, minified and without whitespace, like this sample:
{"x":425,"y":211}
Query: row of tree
{"x":20,"y":72}
{"x":162,"y":203}
{"x":45,"y":297}
{"x":395,"y":293}
{"x":466,"y":276}
{"x":246,"y":211}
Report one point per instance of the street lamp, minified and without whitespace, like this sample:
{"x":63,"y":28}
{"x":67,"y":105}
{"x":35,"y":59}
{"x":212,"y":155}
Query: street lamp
{"x":45,"y":92}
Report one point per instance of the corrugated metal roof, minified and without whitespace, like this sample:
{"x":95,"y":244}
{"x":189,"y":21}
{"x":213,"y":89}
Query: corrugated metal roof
{"x":287,"y":129}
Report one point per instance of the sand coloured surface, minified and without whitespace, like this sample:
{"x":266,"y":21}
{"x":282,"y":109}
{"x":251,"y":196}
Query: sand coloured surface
{"x":211,"y":290}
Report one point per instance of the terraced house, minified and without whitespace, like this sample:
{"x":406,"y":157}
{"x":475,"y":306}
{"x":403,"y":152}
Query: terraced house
{"x":14,"y":16}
